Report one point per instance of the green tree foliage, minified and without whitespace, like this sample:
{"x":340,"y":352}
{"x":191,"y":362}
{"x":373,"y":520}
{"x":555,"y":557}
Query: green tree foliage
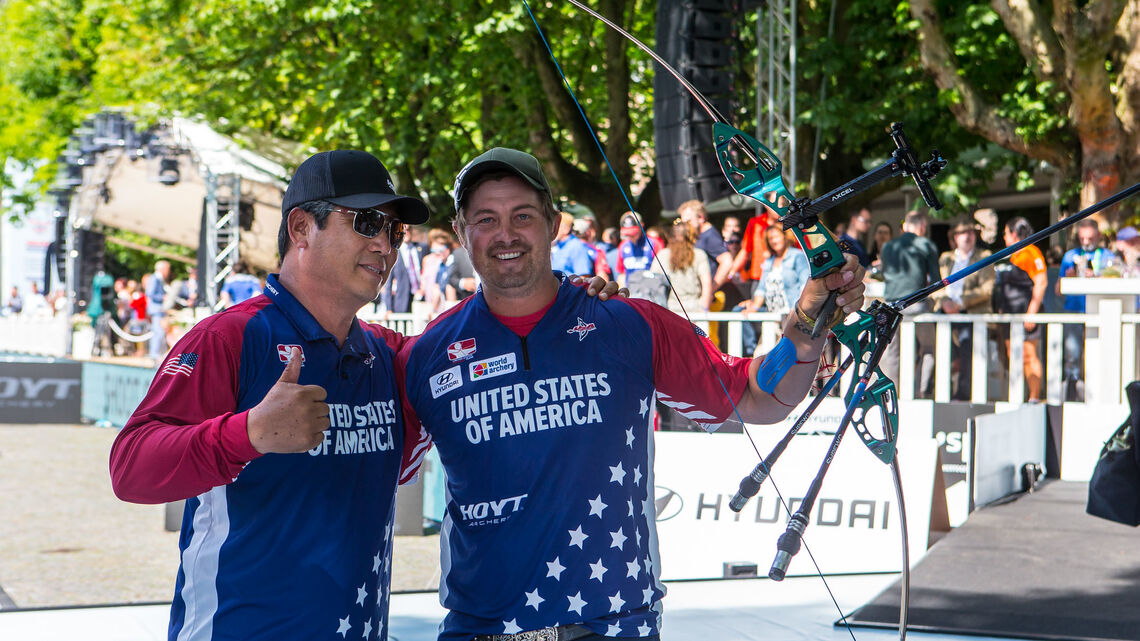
{"x":428,"y":85}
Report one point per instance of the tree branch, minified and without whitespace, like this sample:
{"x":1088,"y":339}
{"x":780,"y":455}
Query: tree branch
{"x":617,"y":92}
{"x":1084,"y":34}
{"x":565,"y":110}
{"x":971,"y":110}
{"x":1128,"y":88}
{"x":1026,"y":21}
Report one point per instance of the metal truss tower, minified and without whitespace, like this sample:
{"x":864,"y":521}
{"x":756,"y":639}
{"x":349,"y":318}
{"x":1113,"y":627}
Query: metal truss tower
{"x":776,"y":81}
{"x":223,"y":230}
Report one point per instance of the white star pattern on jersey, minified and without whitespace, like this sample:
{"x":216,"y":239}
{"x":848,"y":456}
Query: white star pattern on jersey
{"x":617,"y":474}
{"x":576,"y":603}
{"x":618,"y":539}
{"x":381,"y":564}
{"x":597,"y":570}
{"x":597,"y":593}
{"x":644,"y":407}
{"x":596,"y":506}
{"x":577,"y":538}
{"x":554,"y":569}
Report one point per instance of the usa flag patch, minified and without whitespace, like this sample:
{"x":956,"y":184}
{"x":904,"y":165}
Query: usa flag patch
{"x":181,"y":364}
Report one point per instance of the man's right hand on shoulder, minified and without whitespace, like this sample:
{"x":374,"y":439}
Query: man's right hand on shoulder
{"x":291,"y":417}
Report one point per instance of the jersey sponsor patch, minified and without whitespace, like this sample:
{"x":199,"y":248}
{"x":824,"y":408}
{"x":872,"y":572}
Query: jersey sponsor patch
{"x":283,"y":352}
{"x":494,"y":366}
{"x":461,"y":350}
{"x":446,"y":381}
{"x":180,"y":364}
{"x":581,"y":328}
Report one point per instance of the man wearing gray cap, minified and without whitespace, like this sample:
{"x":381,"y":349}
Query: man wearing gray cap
{"x":539,"y":400}
{"x":278,"y":421}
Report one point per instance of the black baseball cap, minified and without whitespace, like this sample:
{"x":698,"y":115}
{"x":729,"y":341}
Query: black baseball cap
{"x":353,"y":179}
{"x":520,"y":163}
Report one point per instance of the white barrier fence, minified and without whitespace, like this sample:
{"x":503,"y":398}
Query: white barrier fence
{"x":1110,"y":347}
{"x":1109,"y":354}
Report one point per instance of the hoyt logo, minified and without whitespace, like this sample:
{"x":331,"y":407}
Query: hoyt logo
{"x":494,"y":366}
{"x":495,"y":510}
{"x":461,"y":350}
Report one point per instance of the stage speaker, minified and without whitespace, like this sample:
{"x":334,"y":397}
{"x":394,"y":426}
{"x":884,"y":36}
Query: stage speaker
{"x":92,"y":249}
{"x":698,"y":38}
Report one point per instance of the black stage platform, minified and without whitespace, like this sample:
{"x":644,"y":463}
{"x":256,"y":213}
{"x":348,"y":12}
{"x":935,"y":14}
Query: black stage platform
{"x":1035,"y":568}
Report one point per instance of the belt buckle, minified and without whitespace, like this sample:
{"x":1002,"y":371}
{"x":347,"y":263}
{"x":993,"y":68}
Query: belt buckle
{"x":545,"y":634}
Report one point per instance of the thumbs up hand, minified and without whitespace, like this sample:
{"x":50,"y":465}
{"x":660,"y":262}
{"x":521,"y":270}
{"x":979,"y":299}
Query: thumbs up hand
{"x":291,"y":417}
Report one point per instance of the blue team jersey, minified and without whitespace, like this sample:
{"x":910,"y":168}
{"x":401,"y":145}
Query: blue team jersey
{"x":633,"y":257}
{"x":297,"y":546}
{"x":546,"y":441}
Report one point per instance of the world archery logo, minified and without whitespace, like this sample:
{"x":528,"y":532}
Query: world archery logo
{"x":582,"y":328}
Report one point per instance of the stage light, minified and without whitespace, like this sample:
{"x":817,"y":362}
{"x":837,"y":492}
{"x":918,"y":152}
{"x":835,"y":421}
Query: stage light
{"x":168,"y":172}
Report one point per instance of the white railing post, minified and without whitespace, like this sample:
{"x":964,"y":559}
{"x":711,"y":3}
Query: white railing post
{"x":943,"y":357}
{"x":1016,"y":362}
{"x":905,"y":384}
{"x":1054,"y":365}
{"x":980,"y":374}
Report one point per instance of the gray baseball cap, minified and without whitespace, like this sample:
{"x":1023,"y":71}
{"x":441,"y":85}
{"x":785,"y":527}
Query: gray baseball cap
{"x":520,"y":163}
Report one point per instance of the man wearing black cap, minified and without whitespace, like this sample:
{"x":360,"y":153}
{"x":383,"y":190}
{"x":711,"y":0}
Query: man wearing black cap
{"x":539,"y":400}
{"x":277,"y":420}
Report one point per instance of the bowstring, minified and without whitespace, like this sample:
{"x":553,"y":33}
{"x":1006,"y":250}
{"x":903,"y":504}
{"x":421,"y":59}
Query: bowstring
{"x":696,"y":333}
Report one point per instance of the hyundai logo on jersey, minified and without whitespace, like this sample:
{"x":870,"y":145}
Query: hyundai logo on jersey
{"x":446,"y":381}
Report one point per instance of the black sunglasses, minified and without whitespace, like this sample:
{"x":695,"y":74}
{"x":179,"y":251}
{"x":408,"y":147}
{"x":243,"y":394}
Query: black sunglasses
{"x":371,"y":222}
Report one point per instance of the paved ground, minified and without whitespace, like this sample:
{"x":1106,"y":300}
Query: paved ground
{"x":66,"y":540}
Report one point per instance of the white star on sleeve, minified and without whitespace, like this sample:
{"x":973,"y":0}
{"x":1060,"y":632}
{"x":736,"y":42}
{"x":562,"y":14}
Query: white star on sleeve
{"x":618,"y":538}
{"x":367,"y":628}
{"x":616,"y":602}
{"x":644,"y":407}
{"x":511,"y":627}
{"x":647,"y":595}
{"x":554,"y":569}
{"x":597,"y":570}
{"x":361,"y":595}
{"x":345,"y":626}
{"x":613,"y":630}
{"x":630,"y":502}
{"x":576,"y":603}
{"x":376,"y":562}
{"x":637,"y":476}
{"x":617,"y":474}
{"x":648,"y":565}
{"x":637,"y":536}
{"x":629,"y":437}
{"x":533,"y":599}
{"x":577,"y":537}
{"x":633,"y":568}
{"x":644,"y":630}
{"x":596,"y":506}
